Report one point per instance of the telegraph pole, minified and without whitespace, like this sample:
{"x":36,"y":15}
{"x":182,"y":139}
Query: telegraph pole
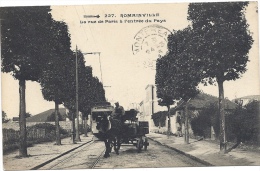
{"x":77,"y":138}
{"x":100,"y":67}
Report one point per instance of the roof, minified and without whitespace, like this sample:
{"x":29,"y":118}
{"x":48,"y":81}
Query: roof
{"x":202,"y":100}
{"x":251,"y":97}
{"x":160,"y":114}
{"x":15,"y":118}
{"x":43,"y":117}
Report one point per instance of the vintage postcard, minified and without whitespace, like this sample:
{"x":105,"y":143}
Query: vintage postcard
{"x":122,"y":86}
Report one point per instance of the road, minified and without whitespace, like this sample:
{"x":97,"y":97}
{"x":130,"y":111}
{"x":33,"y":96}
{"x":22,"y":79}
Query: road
{"x":91,"y":156}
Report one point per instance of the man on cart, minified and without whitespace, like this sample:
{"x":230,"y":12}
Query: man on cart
{"x":118,"y":112}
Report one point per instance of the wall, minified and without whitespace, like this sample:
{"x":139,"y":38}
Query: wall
{"x":15,"y":125}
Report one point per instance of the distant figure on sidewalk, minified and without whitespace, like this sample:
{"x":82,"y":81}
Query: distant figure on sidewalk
{"x":179,"y":126}
{"x":179,"y":133}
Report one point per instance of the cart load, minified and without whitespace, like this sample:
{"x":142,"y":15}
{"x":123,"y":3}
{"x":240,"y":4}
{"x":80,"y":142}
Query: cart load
{"x":136,"y":128}
{"x":134,"y":131}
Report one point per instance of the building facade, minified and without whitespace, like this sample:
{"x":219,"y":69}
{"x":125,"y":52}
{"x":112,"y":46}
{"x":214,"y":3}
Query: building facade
{"x":149,"y":105}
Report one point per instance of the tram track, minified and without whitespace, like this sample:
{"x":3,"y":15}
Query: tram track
{"x":69,"y":157}
{"x":57,"y":157}
{"x":86,"y":156}
{"x":97,"y":160}
{"x":90,"y":155}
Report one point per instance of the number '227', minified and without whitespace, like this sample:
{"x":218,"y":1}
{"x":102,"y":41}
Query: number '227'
{"x":109,"y":15}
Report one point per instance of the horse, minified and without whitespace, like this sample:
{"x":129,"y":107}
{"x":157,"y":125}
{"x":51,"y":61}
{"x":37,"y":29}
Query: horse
{"x":110,"y":130}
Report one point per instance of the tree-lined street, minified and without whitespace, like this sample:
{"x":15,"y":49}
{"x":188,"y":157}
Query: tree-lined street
{"x":213,"y":48}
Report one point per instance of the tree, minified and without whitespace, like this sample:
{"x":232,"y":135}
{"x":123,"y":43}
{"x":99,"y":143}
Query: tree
{"x":85,"y":87}
{"x":163,"y":90}
{"x":52,"y":118}
{"x":52,"y":78}
{"x":245,"y":122}
{"x":24,"y":50}
{"x":223,"y":43}
{"x":181,"y":77}
{"x":69,"y":86}
{"x":97,"y":90}
{"x":85,"y":99}
{"x":90,"y":90}
{"x":204,"y":120}
{"x":4,"y":117}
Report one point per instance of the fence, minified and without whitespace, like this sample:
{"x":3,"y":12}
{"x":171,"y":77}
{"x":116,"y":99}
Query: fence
{"x":10,"y":131}
{"x":10,"y":135}
{"x":15,"y":125}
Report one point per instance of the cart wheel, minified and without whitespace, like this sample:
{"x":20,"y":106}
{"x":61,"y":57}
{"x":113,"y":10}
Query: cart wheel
{"x":145,"y":143}
{"x":139,"y":145}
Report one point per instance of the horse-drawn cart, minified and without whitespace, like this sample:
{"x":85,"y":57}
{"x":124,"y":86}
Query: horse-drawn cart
{"x":115,"y":132}
{"x":134,"y":131}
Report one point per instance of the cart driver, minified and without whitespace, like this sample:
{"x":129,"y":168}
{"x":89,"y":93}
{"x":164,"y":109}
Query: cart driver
{"x":118,"y":112}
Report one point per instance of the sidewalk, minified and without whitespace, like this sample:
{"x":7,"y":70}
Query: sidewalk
{"x":208,"y":152}
{"x":203,"y":151}
{"x":40,"y":153}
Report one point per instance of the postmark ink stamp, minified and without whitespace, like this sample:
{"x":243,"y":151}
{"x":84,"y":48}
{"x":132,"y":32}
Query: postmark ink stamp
{"x":151,"y":40}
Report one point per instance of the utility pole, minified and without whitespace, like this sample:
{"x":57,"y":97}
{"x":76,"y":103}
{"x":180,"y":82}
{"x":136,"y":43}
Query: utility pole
{"x":100,"y":67}
{"x":77,"y":138}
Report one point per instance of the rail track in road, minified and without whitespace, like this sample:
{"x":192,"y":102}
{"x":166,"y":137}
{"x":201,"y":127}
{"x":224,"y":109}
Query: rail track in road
{"x":84,"y":157}
{"x":90,"y":155}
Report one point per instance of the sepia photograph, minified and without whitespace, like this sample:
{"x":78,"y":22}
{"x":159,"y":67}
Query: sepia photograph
{"x":152,"y":85}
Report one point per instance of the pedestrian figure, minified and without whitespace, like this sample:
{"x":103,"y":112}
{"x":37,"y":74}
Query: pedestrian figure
{"x":179,"y":126}
{"x":179,"y":133}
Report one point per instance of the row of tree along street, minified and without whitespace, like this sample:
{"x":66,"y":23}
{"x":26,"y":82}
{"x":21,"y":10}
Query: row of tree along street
{"x":212,"y":50}
{"x":37,"y":48}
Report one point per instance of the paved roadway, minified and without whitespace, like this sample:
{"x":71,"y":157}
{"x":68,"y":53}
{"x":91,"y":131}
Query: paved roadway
{"x":91,"y":156}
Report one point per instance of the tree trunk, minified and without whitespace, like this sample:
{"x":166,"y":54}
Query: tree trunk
{"x":77,"y":99}
{"x":222,"y":132}
{"x":58,"y":140}
{"x":169,"y":122}
{"x":85,"y":126}
{"x":82,"y":120}
{"x":160,"y":118}
{"x":22,"y":120}
{"x":77,"y":128}
{"x":73,"y":128}
{"x":187,"y":135}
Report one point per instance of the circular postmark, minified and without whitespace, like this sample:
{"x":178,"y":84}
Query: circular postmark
{"x":153,"y":41}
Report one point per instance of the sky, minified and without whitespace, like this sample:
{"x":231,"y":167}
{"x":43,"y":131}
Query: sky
{"x":124,"y":73}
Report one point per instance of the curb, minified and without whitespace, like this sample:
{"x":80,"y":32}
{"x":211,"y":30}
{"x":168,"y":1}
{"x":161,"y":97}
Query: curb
{"x":186,"y":154}
{"x":48,"y":161}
